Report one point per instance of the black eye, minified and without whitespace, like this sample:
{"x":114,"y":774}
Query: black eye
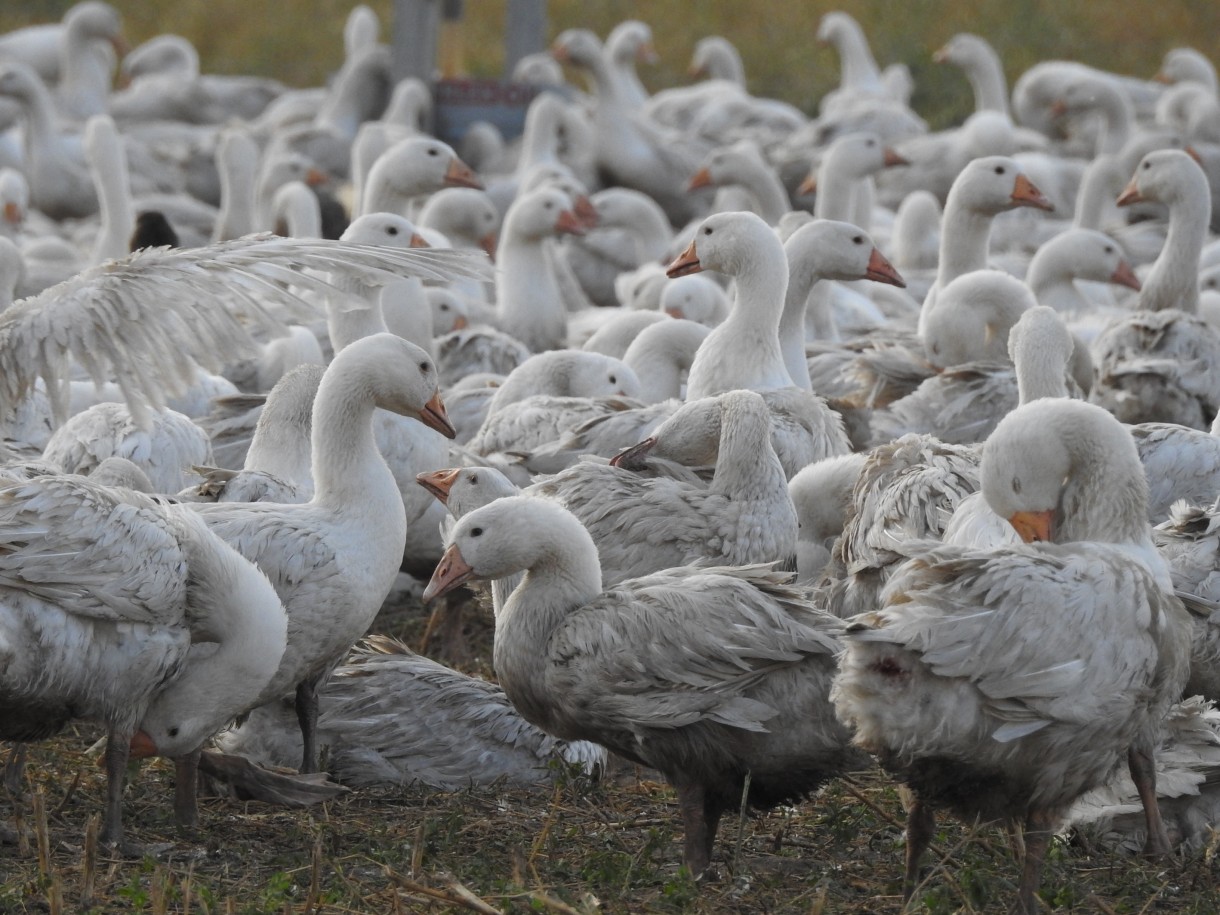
{"x":1109,"y":249}
{"x":548,"y":205}
{"x":391,"y":230}
{"x":613,"y":380}
{"x":858,"y":240}
{"x":999,"y":169}
{"x":172,"y":732}
{"x":1016,"y":485}
{"x":433,"y":151}
{"x":476,"y":532}
{"x":474,"y":479}
{"x":425,"y":367}
{"x":870,"y":143}
{"x":444,"y":306}
{"x":1147,"y":165}
{"x":707,"y":231}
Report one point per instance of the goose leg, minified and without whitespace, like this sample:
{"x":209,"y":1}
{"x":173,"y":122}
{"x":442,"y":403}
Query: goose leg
{"x":14,"y":770}
{"x":1038,"y":828}
{"x":307,"y":717}
{"x":118,"y":745}
{"x":700,"y":817}
{"x":921,"y":826}
{"x":186,"y":790}
{"x":1143,"y":773}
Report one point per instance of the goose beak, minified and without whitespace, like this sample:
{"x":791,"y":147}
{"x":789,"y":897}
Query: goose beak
{"x":1193,"y":153}
{"x":459,"y":174}
{"x":1033,"y":526}
{"x":315,"y":177}
{"x":647,"y":54}
{"x":808,"y":186}
{"x":450,"y":572}
{"x":892,"y":158}
{"x":460,"y":323}
{"x":433,"y":416}
{"x":940,"y":55}
{"x":560,"y":53}
{"x":1160,"y":77}
{"x":12,"y":213}
{"x":1131,"y":194}
{"x":1058,"y":108}
{"x":674,"y":312}
{"x":1024,"y":194}
{"x":882,"y":271}
{"x":685,"y":263}
{"x":702,"y":178}
{"x":488,"y":243}
{"x":418,"y":241}
{"x":633,"y":458}
{"x":570,"y":223}
{"x":585,"y":211}
{"x":1124,"y":276}
{"x":142,"y":746}
{"x":439,"y":482}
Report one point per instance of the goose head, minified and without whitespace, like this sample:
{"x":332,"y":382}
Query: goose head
{"x":838,"y":251}
{"x":402,"y":379}
{"x":540,"y":214}
{"x":449,"y":311}
{"x":993,"y":184}
{"x":162,"y":55}
{"x":1084,"y":254}
{"x":727,"y":242}
{"x":729,"y":165}
{"x":630,"y":42}
{"x":578,"y":47}
{"x":463,"y":213}
{"x":463,"y":489}
{"x":853,"y":156}
{"x":416,"y":166}
{"x":972,"y":317}
{"x":19,"y":82}
{"x":1166,"y":176}
{"x":387,"y":229}
{"x":1182,"y":65}
{"x":963,"y":50}
{"x":96,"y":20}
{"x":695,"y":298}
{"x":14,"y":201}
{"x":567,"y":373}
{"x":1064,"y":470}
{"x":690,"y":436}
{"x":717,"y":58}
{"x":507,"y":536}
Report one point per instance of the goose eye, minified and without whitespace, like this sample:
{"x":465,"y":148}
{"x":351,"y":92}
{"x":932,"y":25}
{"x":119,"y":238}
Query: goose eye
{"x":172,"y":732}
{"x":391,"y":230}
{"x":424,"y":367}
{"x":433,"y":151}
{"x":1109,"y":249}
{"x":444,"y":306}
{"x":999,"y":169}
{"x":707,"y":231}
{"x":476,"y":532}
{"x":548,"y":205}
{"x":1016,"y":485}
{"x":613,"y":380}
{"x":474,"y":479}
{"x":858,"y":240}
{"x":1147,"y":165}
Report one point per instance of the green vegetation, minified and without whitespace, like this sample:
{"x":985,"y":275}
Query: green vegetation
{"x":301,"y":42}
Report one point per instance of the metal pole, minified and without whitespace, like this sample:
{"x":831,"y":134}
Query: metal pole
{"x":525,"y":31}
{"x":414,"y":38}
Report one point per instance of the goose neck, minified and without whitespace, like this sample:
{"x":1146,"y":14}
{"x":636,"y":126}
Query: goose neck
{"x":1174,"y":279}
{"x":348,"y":470}
{"x":986,"y":76}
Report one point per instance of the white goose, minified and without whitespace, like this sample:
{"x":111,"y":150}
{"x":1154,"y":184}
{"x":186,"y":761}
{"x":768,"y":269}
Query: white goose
{"x":104,"y":636}
{"x":1160,"y":364}
{"x":650,"y":669}
{"x":1005,"y":683}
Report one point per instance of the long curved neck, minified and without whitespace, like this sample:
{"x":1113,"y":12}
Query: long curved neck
{"x":85,"y":64}
{"x":1110,"y":505}
{"x":527,"y":294}
{"x":1041,"y":371}
{"x":1099,"y":187}
{"x":1117,"y":117}
{"x":1174,"y":280}
{"x":856,"y":63}
{"x":659,"y":360}
{"x":766,"y":188}
{"x":746,"y":464}
{"x":1051,"y":278}
{"x":40,"y":133}
{"x":349,"y":472}
{"x":986,"y":75}
{"x":238,"y":162}
{"x":965,"y":234}
{"x":762,"y":291}
{"x":108,"y":165}
{"x":834,"y":196}
{"x":806,"y":294}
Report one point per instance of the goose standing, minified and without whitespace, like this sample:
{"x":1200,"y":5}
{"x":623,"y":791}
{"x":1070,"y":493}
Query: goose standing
{"x":649,"y":669}
{"x":1005,"y":683}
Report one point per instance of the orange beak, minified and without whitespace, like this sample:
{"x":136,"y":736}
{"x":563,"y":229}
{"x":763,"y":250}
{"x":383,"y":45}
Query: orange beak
{"x":460,"y":323}
{"x":450,"y":572}
{"x":142,"y":746}
{"x":675,"y":313}
{"x":1024,"y":194}
{"x":1124,"y":276}
{"x":433,"y":416}
{"x":570,"y":223}
{"x":1058,"y":108}
{"x":702,"y":178}
{"x":1193,"y":153}
{"x":459,"y":174}
{"x":488,"y":244}
{"x":882,"y":271}
{"x":439,"y":482}
{"x":631,"y":458}
{"x":560,"y":53}
{"x":1131,"y":194}
{"x":685,"y":263}
{"x":585,"y":211}
{"x":1161,"y":78}
{"x":940,"y":55}
{"x":646,"y":53}
{"x":808,"y":186}
{"x":12,"y":213}
{"x":418,"y":241}
{"x":1033,"y":526}
{"x":315,"y":177}
{"x":893,"y":158}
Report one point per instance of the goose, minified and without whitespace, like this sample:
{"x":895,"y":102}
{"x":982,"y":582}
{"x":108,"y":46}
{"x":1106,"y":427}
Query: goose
{"x":846,"y":165}
{"x":646,"y":524}
{"x":93,"y":37}
{"x":649,"y":669}
{"x":1157,"y":364}
{"x":1179,"y":463}
{"x":631,"y":151}
{"x":334,"y":558}
{"x":695,"y":298}
{"x":412,"y":168}
{"x":821,"y":494}
{"x":614,"y":336}
{"x":388,"y":717}
{"x":976,"y":58}
{"x":1076,"y":648}
{"x":630,"y":42}
{"x":108,"y":635}
{"x":1077,"y":254}
{"x":742,"y":166}
{"x":237,"y":158}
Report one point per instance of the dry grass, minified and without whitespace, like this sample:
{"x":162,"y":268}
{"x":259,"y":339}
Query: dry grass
{"x":580,"y":847}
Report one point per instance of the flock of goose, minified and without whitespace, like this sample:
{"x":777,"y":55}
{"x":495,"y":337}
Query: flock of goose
{"x":760,"y":503}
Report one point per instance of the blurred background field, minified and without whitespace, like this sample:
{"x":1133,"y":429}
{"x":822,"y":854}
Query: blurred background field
{"x":300,"y":42}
